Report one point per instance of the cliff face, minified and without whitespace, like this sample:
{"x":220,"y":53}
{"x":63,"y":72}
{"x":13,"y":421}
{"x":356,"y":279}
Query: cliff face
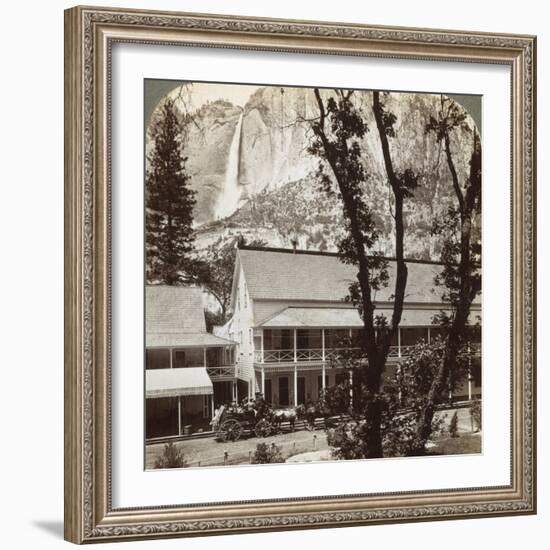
{"x":208,"y":145}
{"x":234,"y":154}
{"x":254,"y":176}
{"x":275,"y":138}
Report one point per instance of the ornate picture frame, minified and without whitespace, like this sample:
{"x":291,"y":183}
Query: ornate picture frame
{"x":90,"y":34}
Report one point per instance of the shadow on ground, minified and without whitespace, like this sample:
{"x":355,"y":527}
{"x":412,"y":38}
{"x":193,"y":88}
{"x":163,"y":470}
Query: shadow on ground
{"x":52,"y":527}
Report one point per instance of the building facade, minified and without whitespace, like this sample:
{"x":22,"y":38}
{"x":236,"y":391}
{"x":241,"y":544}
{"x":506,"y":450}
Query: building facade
{"x":188,"y":370}
{"x":290,"y":317}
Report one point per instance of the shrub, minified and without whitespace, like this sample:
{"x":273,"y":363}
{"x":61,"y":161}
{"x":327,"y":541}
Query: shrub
{"x":171,"y":457}
{"x":336,"y":435}
{"x":453,"y":426}
{"x":475,"y":413}
{"x":267,"y":454}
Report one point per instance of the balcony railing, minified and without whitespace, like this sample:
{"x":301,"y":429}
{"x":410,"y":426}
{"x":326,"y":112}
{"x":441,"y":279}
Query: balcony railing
{"x":309,"y":354}
{"x":302,"y":355}
{"x":275,"y":356}
{"x":316,"y":354}
{"x":222,"y":371}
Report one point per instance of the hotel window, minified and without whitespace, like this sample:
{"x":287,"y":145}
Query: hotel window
{"x":309,"y":338}
{"x":179,"y":359}
{"x":157,"y":359}
{"x":278,"y":339}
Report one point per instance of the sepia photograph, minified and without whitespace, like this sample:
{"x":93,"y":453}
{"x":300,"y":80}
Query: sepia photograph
{"x":312,"y":274}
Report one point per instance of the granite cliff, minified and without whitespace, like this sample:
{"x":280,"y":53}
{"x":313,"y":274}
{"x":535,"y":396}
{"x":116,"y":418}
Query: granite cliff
{"x":254,"y":176}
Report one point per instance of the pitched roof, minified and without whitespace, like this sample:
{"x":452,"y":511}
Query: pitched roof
{"x":174,"y":309}
{"x":284,"y":275}
{"x":347,"y":317}
{"x":185,"y":340}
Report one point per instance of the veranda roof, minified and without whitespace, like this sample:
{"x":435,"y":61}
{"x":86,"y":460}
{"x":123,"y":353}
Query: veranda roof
{"x":317,"y":317}
{"x":177,"y":382}
{"x":184,"y":340}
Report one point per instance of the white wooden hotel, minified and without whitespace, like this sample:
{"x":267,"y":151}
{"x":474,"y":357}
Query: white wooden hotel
{"x":290,"y":315}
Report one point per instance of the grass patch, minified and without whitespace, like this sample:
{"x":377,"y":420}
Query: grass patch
{"x":465,"y":444}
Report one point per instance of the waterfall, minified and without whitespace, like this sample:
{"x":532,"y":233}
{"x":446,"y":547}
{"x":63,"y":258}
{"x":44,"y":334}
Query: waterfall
{"x":230,"y":195}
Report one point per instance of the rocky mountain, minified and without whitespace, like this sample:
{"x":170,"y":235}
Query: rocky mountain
{"x":254,"y":176}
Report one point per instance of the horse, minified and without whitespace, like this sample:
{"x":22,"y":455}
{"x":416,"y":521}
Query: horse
{"x":279,"y":416}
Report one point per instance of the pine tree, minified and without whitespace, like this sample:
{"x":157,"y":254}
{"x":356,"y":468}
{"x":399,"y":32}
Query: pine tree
{"x":169,"y":201}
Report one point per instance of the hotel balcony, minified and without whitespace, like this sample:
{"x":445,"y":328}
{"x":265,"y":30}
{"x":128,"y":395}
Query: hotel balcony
{"x":219,"y":362}
{"x":310,"y":346}
{"x":222,"y":372}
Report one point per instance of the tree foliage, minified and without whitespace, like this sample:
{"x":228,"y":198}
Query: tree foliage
{"x":453,"y":426}
{"x":338,"y":135}
{"x":461,"y":257}
{"x":475,"y":412}
{"x":171,"y":457}
{"x":169,"y":201}
{"x":267,"y":454}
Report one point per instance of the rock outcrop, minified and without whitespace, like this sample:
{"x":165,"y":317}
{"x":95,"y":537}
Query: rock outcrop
{"x":253,"y":174}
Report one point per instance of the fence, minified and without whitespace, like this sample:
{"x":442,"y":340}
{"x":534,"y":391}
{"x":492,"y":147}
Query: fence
{"x":229,"y":457}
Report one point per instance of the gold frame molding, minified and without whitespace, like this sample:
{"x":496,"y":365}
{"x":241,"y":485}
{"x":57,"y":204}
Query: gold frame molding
{"x":89,"y":35}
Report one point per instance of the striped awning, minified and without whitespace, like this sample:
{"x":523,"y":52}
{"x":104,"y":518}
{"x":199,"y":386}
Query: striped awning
{"x":177,"y":382}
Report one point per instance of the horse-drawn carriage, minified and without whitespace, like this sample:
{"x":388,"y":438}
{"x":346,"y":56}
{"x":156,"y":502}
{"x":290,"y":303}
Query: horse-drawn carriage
{"x":256,"y":417}
{"x":250,"y":417}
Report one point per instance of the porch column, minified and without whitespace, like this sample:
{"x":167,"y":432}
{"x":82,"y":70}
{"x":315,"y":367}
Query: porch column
{"x":263,"y":383}
{"x":429,"y":336}
{"x":212,"y":405}
{"x":171,"y":357}
{"x":323,"y":350}
{"x":399,"y":342}
{"x":204,"y":356}
{"x":323,"y":377}
{"x":295,"y":351}
{"x":295,"y":384}
{"x":262,"y":345}
{"x":236,"y":392}
{"x":179,"y":414}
